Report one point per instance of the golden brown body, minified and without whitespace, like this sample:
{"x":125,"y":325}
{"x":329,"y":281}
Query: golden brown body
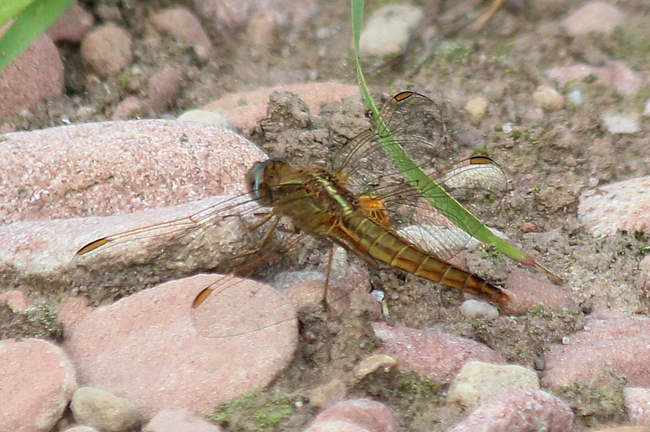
{"x":319,"y":203}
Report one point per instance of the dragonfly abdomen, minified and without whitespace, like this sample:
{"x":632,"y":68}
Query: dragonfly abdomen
{"x":386,"y":246}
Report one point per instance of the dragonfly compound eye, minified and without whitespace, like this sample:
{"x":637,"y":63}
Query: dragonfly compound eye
{"x":255,"y":183}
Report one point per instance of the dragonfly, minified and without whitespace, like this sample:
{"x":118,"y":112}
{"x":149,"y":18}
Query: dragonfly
{"x":362,"y":202}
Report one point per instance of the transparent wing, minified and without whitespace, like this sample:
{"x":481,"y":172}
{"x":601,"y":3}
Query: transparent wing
{"x":477,"y":183}
{"x":414,"y":122}
{"x":233,"y":307}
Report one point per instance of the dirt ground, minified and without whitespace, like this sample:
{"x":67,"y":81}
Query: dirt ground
{"x":550,"y":161}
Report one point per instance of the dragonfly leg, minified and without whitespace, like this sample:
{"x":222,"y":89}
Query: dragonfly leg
{"x":267,"y":235}
{"x":328,"y":275}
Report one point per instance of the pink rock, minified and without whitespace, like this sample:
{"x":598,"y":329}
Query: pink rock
{"x":35,"y":75}
{"x":112,"y":167}
{"x":72,"y":25}
{"x":36,"y":384}
{"x":16,"y":300}
{"x":43,"y":253}
{"x":164,"y":86}
{"x":179,"y":421}
{"x":434,"y":354}
{"x":157,"y":351}
{"x":356,"y":415}
{"x":107,"y":49}
{"x":130,"y":106}
{"x":245,"y":109}
{"x":595,"y":16}
{"x":611,"y":345}
{"x":181,"y":24}
{"x":72,"y":310}
{"x":237,"y":13}
{"x":624,"y":79}
{"x":527,"y":290}
{"x":519,"y":411}
{"x":616,"y":206}
{"x":637,"y":404}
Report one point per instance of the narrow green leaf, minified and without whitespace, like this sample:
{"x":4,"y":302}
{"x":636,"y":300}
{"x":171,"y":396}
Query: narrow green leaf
{"x":11,"y":8}
{"x":30,"y":22}
{"x":433,"y":192}
{"x":357,"y":20}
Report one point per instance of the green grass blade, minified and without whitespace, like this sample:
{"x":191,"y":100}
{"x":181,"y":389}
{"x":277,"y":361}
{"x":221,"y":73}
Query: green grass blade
{"x":11,"y":8}
{"x":32,"y":20}
{"x":357,"y":20}
{"x":433,"y":192}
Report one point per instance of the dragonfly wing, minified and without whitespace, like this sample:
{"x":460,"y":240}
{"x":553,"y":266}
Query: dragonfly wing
{"x":232,"y":307}
{"x":478,"y":183}
{"x":414,"y":123}
{"x":155,"y":246}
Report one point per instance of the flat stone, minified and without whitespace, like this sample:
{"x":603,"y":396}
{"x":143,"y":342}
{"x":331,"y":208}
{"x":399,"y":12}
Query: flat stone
{"x":616,"y":206}
{"x":519,"y":411}
{"x":118,"y":167}
{"x":612,"y":345}
{"x":43,"y":254}
{"x":434,"y":354}
{"x":355,"y":415}
{"x":245,"y":109}
{"x":159,"y":352}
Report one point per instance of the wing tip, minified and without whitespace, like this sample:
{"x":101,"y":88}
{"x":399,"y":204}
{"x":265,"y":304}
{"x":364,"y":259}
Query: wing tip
{"x":92,"y":246}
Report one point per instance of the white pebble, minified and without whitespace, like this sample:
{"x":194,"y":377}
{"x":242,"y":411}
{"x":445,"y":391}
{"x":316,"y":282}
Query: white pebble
{"x":621,"y":124}
{"x":475,"y":308}
{"x":575,"y":97}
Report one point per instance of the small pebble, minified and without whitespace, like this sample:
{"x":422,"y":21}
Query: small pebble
{"x":399,"y":18}
{"x":575,"y":97}
{"x":646,"y":111}
{"x":104,"y":410}
{"x":373,"y":364}
{"x":621,"y":124}
{"x":107,"y":49}
{"x":548,"y":98}
{"x":477,"y":107}
{"x":596,"y":17}
{"x":475,"y":308}
{"x":528,"y":227}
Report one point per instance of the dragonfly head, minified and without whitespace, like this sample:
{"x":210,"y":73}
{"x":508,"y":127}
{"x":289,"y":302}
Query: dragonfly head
{"x":260,"y":180}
